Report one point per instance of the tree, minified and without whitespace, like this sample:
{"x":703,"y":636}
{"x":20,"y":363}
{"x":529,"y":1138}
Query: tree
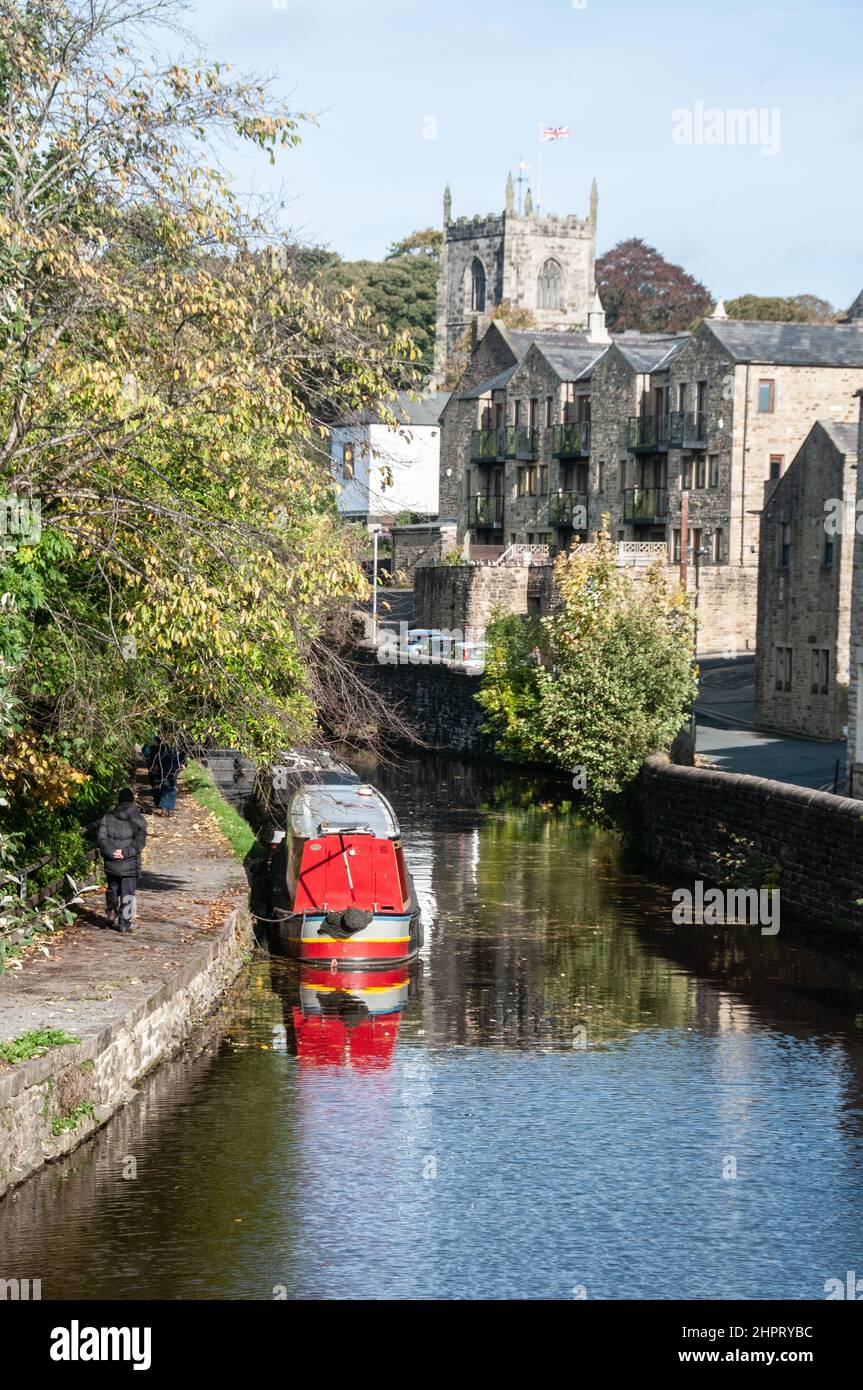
{"x":514,"y":315}
{"x":603,"y":682}
{"x":640,"y":289}
{"x":165,"y":387}
{"x":799,"y":308}
{"x":400,"y":291}
{"x":426,"y":243}
{"x":816,"y":310}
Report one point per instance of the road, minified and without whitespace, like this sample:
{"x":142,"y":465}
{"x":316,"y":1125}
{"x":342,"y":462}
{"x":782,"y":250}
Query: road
{"x":725,"y":713}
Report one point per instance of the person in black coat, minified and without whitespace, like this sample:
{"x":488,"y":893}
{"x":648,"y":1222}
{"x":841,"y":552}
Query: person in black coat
{"x":122,"y":836}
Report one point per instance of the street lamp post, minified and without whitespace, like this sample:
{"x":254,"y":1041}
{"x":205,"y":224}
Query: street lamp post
{"x":375,"y":586}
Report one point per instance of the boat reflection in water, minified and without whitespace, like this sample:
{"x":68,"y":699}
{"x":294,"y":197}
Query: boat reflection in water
{"x":346,"y":1018}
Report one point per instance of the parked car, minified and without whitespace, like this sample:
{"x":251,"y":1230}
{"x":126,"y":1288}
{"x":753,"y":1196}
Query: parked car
{"x":428,"y":644}
{"x":471,"y":654}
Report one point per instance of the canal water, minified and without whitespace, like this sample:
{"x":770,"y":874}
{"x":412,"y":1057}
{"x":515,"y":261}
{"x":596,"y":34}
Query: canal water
{"x":567,"y":1097}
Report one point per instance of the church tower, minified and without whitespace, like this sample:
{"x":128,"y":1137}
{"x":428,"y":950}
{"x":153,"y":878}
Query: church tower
{"x":540,"y":263}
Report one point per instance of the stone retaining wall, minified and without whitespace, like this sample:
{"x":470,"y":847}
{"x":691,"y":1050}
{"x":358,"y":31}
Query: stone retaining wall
{"x":90,"y":1081}
{"x":436,"y":700}
{"x":688,"y":816}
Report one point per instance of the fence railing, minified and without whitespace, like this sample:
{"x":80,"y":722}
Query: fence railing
{"x":21,"y":877}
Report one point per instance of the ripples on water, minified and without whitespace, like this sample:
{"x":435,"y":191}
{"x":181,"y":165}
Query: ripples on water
{"x":556,"y":1108}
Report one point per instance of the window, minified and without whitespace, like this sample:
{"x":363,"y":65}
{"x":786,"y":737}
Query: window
{"x":777,"y":465}
{"x":543,"y":537}
{"x":533,"y":414}
{"x":820,"y":670}
{"x":475,"y":286}
{"x":784,"y":556}
{"x":829,"y":551}
{"x":701,"y":471}
{"x":600,"y":476}
{"x":783,"y":668}
{"x":681,"y":396}
{"x":467,"y":482}
{"x":716,"y":546}
{"x":347,"y":460}
{"x":713,"y":470}
{"x":686,"y":473}
{"x":549,"y":287}
{"x":675,"y":547}
{"x":701,"y":397}
{"x":549,"y":411}
{"x":766,"y":396}
{"x":543,"y":477}
{"x":516,"y":413}
{"x":527,"y":481}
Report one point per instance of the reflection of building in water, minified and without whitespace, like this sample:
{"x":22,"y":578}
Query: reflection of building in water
{"x":522,"y":951}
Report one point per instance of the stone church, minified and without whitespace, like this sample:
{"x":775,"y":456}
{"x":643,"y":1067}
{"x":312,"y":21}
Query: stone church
{"x":542,"y":263}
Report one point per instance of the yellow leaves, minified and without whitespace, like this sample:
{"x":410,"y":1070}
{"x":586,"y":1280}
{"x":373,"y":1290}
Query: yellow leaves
{"x":28,"y":770}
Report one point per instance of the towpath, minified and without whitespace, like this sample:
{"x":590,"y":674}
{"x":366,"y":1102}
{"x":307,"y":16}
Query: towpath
{"x":90,"y":978}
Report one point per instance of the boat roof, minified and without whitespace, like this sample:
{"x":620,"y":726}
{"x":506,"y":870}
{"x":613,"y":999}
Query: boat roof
{"x":314,"y":766}
{"x":320,"y":810}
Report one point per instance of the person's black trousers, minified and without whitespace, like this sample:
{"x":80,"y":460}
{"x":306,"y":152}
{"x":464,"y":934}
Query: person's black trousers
{"x":120,"y":899}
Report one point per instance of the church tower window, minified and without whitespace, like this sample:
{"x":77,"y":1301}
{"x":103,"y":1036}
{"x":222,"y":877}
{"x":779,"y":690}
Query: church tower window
{"x":549,"y":289}
{"x":475,"y":286}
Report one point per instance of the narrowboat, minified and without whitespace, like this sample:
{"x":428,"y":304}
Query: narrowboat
{"x":349,"y":899}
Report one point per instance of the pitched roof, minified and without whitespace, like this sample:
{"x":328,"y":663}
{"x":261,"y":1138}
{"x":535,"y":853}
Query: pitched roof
{"x":844,"y":436}
{"x":648,"y":353}
{"x":572,"y":361}
{"x":855,"y":312}
{"x":789,"y":344}
{"x":496,"y":383}
{"x":520,"y":339}
{"x":425,"y":411}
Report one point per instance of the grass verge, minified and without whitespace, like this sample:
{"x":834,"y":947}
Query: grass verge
{"x":199,"y":781}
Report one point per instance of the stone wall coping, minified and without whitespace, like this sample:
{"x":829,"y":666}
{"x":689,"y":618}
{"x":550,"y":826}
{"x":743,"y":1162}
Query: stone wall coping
{"x":38,"y":1069}
{"x":764,"y":787}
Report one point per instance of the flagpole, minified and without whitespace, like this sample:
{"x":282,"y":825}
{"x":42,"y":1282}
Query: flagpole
{"x":539,"y":171}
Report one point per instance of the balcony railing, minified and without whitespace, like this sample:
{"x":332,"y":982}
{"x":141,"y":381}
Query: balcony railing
{"x":568,"y":509}
{"x":645,"y":506}
{"x":571,"y":441}
{"x":487,"y":445}
{"x":485,"y":511}
{"x":689,"y":429}
{"x":649,"y":431}
{"x":681,"y":429}
{"x":521,"y":442}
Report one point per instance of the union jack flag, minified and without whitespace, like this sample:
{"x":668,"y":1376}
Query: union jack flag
{"x":554,"y":132}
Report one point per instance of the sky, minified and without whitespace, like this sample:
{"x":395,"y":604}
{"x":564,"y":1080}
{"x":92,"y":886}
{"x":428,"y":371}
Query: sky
{"x":412,"y":94}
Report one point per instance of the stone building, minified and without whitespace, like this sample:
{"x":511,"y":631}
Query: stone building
{"x":854,"y":524}
{"x":548,"y":429}
{"x":804,"y":588}
{"x":543,"y":264}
